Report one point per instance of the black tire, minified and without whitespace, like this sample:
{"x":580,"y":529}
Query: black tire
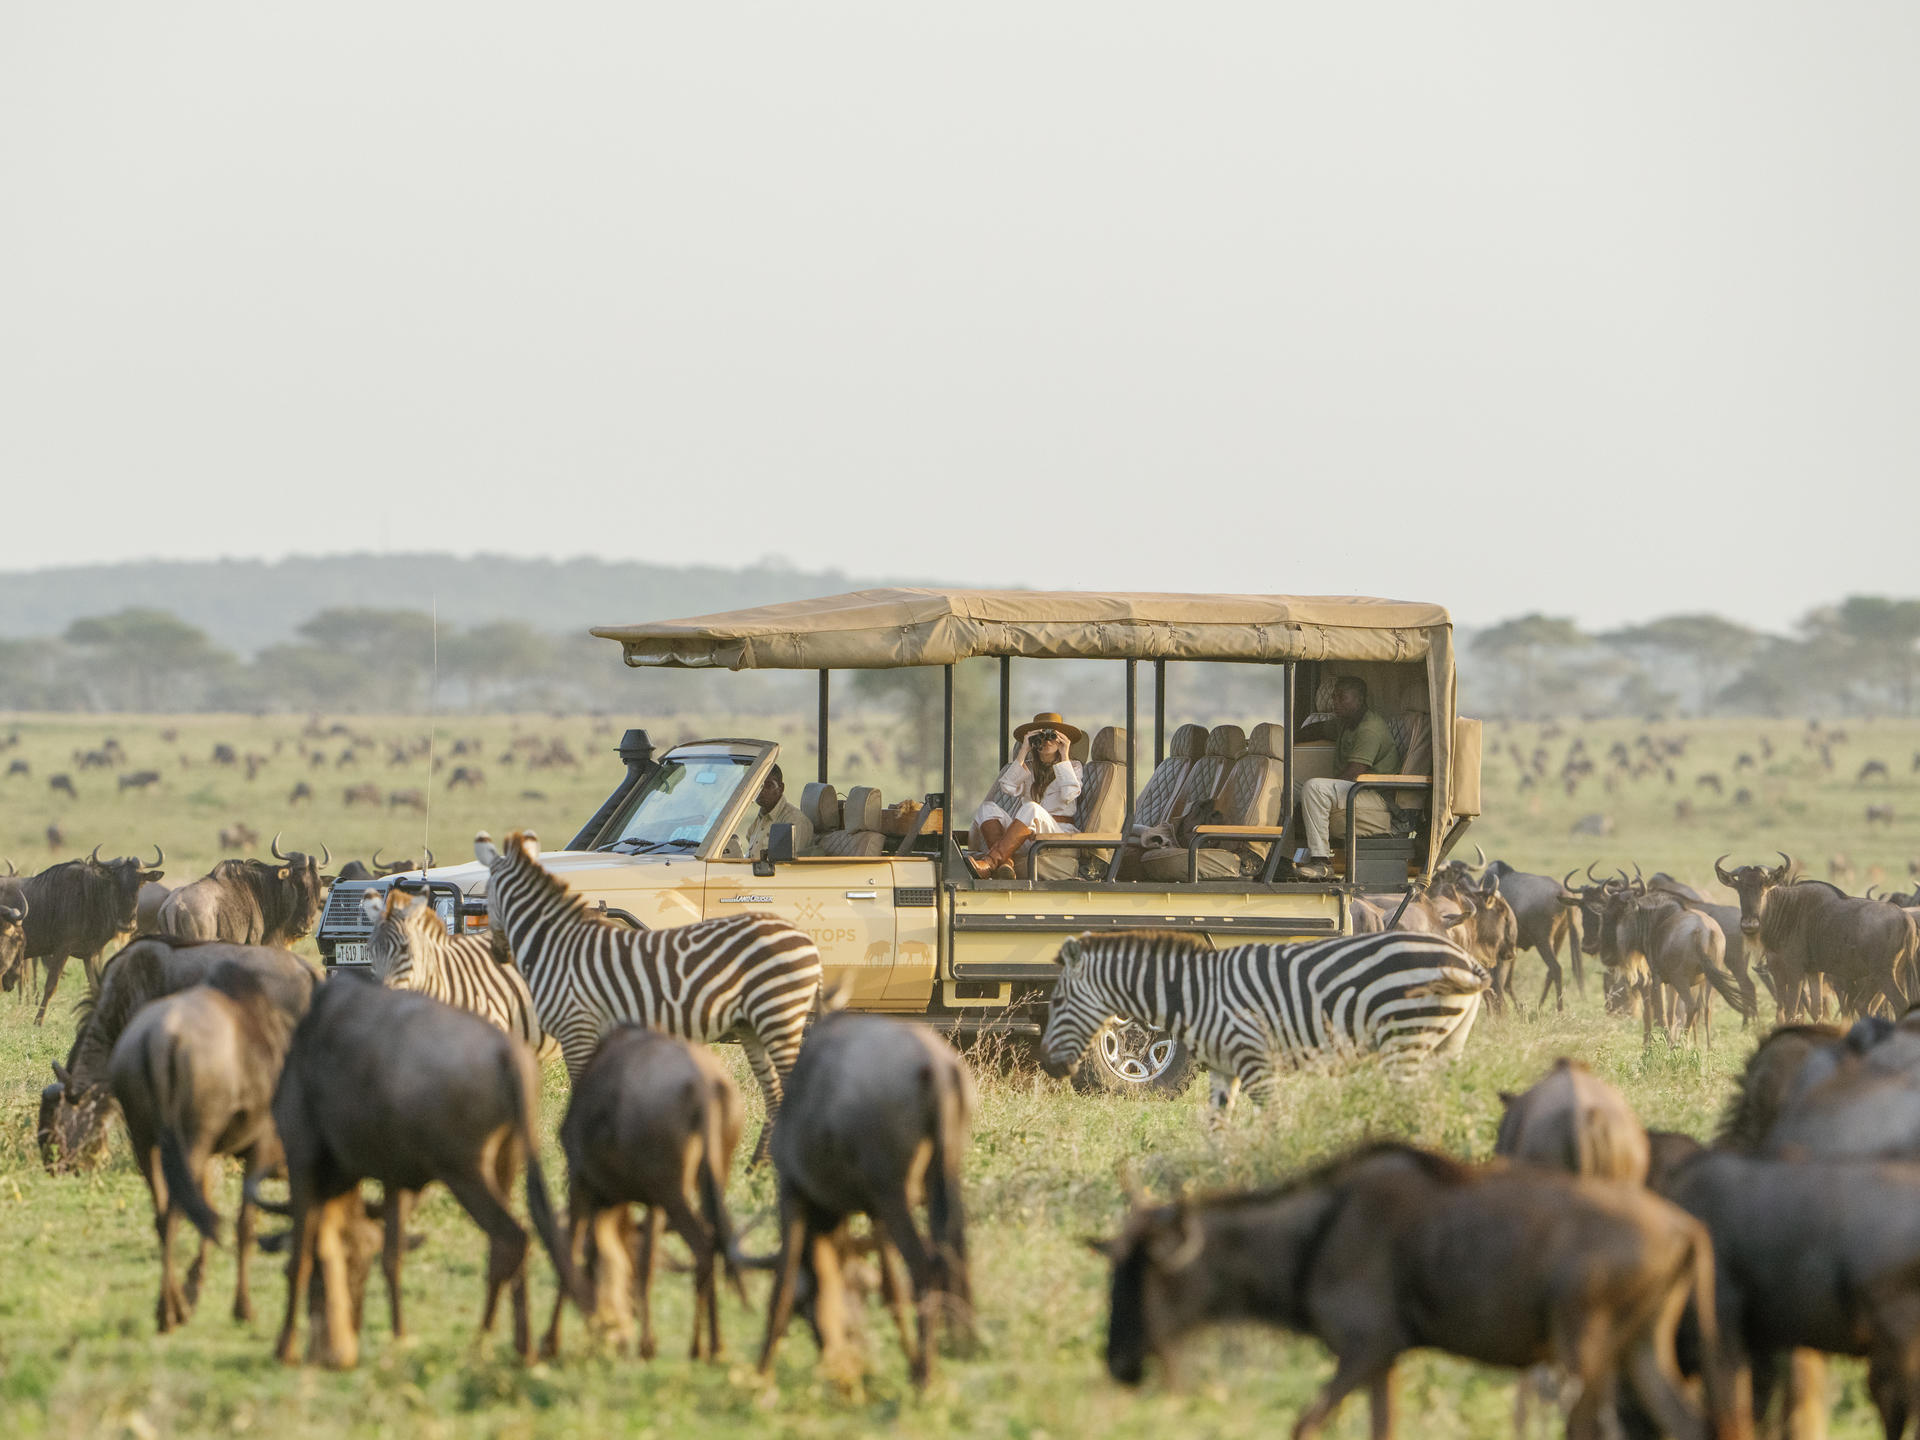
{"x":1132,"y":1059}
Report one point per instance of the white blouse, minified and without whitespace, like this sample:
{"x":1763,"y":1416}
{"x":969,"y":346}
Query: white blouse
{"x":1061,"y":794}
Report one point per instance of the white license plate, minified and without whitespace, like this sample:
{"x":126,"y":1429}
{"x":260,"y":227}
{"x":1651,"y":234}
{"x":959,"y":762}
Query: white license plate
{"x":351,"y":952}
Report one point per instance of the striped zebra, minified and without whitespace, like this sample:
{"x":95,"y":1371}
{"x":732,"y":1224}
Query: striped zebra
{"x":751,"y":974}
{"x":1253,"y":1010}
{"x":411,"y":950}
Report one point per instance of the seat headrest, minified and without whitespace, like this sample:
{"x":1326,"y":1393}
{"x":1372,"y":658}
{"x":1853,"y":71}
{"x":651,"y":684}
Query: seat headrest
{"x":1268,"y":740}
{"x":1110,"y":745}
{"x":1189,"y":742}
{"x":820,"y":803}
{"x":1227,"y":741}
{"x":861,"y":809}
{"x":1077,"y":750}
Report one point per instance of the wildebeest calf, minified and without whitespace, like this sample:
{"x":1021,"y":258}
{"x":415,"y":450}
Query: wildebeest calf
{"x":194,"y":1076}
{"x":653,"y":1121}
{"x":1394,"y":1248}
{"x":875,"y":1121}
{"x":397,"y":1087}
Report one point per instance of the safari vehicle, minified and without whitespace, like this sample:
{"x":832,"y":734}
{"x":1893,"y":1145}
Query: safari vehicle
{"x":900,"y":918}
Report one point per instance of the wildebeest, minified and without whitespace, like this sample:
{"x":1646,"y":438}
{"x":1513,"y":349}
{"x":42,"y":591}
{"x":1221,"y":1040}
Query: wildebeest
{"x":1367,"y":1255}
{"x":1880,"y":815}
{"x":364,"y":794}
{"x":146,"y":907}
{"x":410,"y":799}
{"x":17,"y":766}
{"x":1577,"y":1122}
{"x":1775,"y":1072}
{"x":302,"y":793}
{"x":73,"y":1110}
{"x":393,"y":1086}
{"x":224,"y":754}
{"x":1596,"y":825}
{"x":194,"y":1074}
{"x":1727,"y":918}
{"x":875,"y":1123}
{"x":13,"y":926}
{"x":250,"y":902}
{"x":1808,"y":930}
{"x":472,"y":777}
{"x":654,"y":1121}
{"x":1822,"y":1257}
{"x":1872,"y":770}
{"x":64,"y":784}
{"x":74,"y":911}
{"x":1542,"y":922}
{"x":238,"y":836}
{"x":1709,"y":781}
{"x":376,"y":868}
{"x":1678,"y":952}
{"x":139,"y":780}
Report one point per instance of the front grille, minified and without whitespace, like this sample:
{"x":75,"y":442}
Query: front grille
{"x":913,"y":897}
{"x":343,"y":919}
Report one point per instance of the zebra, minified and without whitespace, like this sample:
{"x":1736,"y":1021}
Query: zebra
{"x":410,"y":949}
{"x":751,"y":974}
{"x":1250,"y":1011}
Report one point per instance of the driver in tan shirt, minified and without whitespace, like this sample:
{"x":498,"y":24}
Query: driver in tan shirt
{"x":776,"y":809}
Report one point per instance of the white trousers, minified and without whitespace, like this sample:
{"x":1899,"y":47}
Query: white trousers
{"x":1320,"y":800}
{"x":1027,"y":812}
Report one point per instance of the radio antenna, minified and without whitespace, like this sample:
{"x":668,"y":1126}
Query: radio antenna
{"x":433,"y":692}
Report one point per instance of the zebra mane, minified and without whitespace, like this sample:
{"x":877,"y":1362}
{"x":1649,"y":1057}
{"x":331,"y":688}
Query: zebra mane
{"x":1170,"y":944}
{"x":571,"y":903}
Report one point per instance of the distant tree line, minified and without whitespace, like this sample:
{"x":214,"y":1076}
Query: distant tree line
{"x":1860,"y":656}
{"x":350,"y":660}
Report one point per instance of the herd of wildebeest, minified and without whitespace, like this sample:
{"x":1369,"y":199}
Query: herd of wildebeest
{"x":1665,"y":1283}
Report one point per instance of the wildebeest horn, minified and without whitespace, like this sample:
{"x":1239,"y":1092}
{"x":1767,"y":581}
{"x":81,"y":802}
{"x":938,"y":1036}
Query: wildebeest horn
{"x":1720,"y":874}
{"x":1567,"y":883}
{"x":1786,"y":865}
{"x":1593,"y":877}
{"x":11,"y":872}
{"x":1482,"y":862}
{"x":95,"y":856}
{"x":326,"y":855}
{"x":159,"y":855}
{"x":376,"y":855}
{"x":275,"y":847}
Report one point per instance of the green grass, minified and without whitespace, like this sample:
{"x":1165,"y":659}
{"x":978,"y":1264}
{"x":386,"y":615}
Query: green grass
{"x":78,"y":1269}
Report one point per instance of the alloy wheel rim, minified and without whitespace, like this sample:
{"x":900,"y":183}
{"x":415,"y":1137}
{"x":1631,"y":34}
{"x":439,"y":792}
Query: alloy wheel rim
{"x":1135,"y":1052}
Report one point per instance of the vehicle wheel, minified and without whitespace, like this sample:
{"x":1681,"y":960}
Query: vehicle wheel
{"x":1128,"y":1058}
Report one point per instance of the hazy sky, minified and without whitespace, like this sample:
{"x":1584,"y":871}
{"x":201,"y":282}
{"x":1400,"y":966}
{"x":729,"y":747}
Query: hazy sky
{"x":1609,"y":310}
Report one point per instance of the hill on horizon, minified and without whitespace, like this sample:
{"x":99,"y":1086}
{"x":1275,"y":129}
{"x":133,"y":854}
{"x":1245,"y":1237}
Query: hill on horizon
{"x":245,"y":605}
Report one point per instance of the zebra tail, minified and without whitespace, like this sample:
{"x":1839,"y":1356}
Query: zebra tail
{"x":539,"y":1209}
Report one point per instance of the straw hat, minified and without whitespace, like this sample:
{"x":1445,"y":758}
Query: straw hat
{"x":1049,"y":720}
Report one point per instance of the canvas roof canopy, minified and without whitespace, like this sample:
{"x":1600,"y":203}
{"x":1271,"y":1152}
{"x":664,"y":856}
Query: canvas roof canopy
{"x":885,"y":628}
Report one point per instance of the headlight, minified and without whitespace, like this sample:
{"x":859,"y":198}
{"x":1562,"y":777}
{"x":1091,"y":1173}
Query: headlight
{"x":444,"y":908}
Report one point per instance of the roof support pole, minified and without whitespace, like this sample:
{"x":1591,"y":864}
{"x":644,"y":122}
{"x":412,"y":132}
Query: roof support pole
{"x":946,"y":764}
{"x":1159,"y":712}
{"x":1006,"y":708}
{"x":823,"y":727}
{"x":1133,"y":705}
{"x":1286,"y":760}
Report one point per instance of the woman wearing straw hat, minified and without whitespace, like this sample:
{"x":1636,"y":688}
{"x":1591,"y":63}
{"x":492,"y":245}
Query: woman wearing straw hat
{"x":1034,"y":795}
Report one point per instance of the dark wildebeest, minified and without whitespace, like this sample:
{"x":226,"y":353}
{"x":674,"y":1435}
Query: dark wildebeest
{"x":1577,"y":1122}
{"x":377,"y":868}
{"x":18,"y":766}
{"x":395,"y":1086}
{"x":75,"y":910}
{"x":471,"y":777}
{"x":13,"y":926}
{"x":366,"y":794}
{"x":1808,"y":930}
{"x":1676,"y":951}
{"x":1872,"y":770}
{"x":238,"y":836}
{"x":139,"y":780}
{"x":224,"y":754}
{"x":1855,"y":1098}
{"x":250,"y":902}
{"x":1782,"y":1067}
{"x":653,"y":1121}
{"x":74,"y":1109}
{"x":1490,"y":931}
{"x":1727,"y":917}
{"x":1817,"y":1257}
{"x":411,"y":799}
{"x":1880,"y":815}
{"x":1365,"y":1255}
{"x":1542,"y":921}
{"x":194,"y":1074}
{"x":301,"y":793}
{"x":875,"y":1121}
{"x":64,"y":784}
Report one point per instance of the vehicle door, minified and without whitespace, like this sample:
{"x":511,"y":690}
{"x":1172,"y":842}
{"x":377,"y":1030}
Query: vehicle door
{"x":844,"y":904}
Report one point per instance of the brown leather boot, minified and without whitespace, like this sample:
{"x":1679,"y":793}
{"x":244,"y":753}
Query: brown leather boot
{"x":997,"y":863}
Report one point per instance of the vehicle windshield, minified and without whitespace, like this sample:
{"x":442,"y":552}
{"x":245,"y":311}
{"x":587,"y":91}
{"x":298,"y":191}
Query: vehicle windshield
{"x":679,"y":802}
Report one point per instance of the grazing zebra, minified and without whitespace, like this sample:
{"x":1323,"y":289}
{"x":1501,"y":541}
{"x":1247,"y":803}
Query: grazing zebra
{"x":1252,"y":1010}
{"x":751,"y":974}
{"x":411,"y":950}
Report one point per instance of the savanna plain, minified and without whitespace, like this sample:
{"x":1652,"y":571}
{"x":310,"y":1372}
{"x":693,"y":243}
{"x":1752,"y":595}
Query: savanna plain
{"x":78,"y":1260}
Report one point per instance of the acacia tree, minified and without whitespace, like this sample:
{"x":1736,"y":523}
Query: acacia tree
{"x":1521,"y":646}
{"x":167,"y":662}
{"x":1714,"y":647}
{"x":1870,"y":639}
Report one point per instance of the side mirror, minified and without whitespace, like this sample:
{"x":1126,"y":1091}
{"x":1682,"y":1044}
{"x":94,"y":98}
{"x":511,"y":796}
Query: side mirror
{"x":779,"y":851}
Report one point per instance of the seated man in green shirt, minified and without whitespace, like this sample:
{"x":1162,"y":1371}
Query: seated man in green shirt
{"x":1364,"y":746}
